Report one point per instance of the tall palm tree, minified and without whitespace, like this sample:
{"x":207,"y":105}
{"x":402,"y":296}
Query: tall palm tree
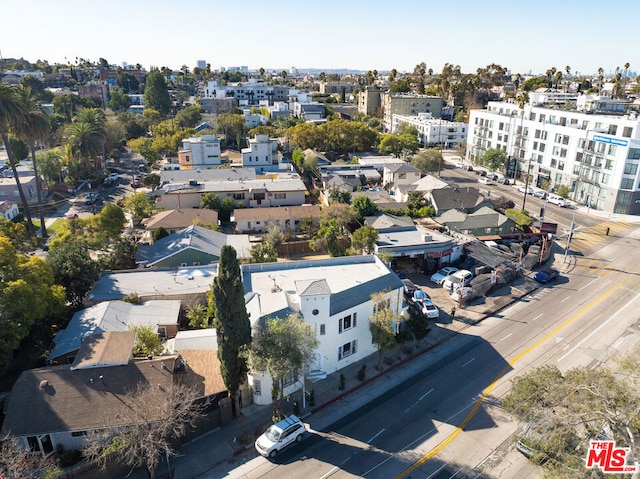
{"x":600,"y":78}
{"x":35,"y":126}
{"x":86,"y":136}
{"x":12,"y":112}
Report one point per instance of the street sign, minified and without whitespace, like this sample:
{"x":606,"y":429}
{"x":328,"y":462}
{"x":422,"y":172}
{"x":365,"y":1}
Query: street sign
{"x":549,"y":228}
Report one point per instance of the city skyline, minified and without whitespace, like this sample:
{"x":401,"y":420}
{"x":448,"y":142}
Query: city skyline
{"x":355,"y":35}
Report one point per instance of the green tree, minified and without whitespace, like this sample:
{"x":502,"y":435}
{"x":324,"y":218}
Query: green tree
{"x":210,"y":201}
{"x":73,"y":269}
{"x":338,"y":196}
{"x":364,"y":239}
{"x":382,"y":325}
{"x":86,"y":137}
{"x":232,"y":126}
{"x":263,"y":253}
{"x":283,"y":347}
{"x":120,"y":255}
{"x":13,"y":113}
{"x":567,"y":410}
{"x":233,"y":328}
{"x":274,"y":237}
{"x":28,"y":296}
{"x":428,"y":160}
{"x":118,"y":100}
{"x":198,"y":317}
{"x":189,"y":117}
{"x":494,"y":158}
{"x":152,"y":180}
{"x":416,"y":200}
{"x":330,"y":237}
{"x":50,"y":166}
{"x":147,"y":342}
{"x":17,"y":234}
{"x":128,"y":83}
{"x":156,"y":93}
{"x":564,"y":191}
{"x":363,"y":206}
{"x":138,"y":205}
{"x":521,"y":217}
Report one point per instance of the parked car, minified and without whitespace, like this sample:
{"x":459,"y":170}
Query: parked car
{"x":136,"y":183}
{"x":504,"y":180}
{"x":430,"y":310}
{"x":113,"y":177}
{"x":459,"y":164}
{"x":439,"y":276}
{"x":467,"y":167}
{"x":71,"y":214}
{"x":492,"y":176}
{"x":409,"y":287}
{"x":558,"y":200}
{"x":457,"y":279}
{"x":91,"y":199}
{"x":522,"y":189}
{"x":485,"y":181}
{"x":279,"y":435}
{"x":546,"y":275}
{"x":480,"y":172}
{"x":540,"y":194}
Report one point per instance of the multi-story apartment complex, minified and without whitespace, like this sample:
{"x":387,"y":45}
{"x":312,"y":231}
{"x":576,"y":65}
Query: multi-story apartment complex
{"x":249,"y":93}
{"x":596,"y":155}
{"x":261,"y":154}
{"x":199,"y":152}
{"x":447,"y":134}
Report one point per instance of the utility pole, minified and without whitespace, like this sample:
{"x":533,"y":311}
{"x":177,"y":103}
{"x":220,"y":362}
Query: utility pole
{"x":571,"y":230}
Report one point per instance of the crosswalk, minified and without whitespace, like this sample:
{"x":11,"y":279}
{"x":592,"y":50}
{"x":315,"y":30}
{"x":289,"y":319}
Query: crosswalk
{"x":584,"y":239}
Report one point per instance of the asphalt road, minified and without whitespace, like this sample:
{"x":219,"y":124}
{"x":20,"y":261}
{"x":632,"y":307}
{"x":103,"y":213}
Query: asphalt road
{"x":447,"y":419}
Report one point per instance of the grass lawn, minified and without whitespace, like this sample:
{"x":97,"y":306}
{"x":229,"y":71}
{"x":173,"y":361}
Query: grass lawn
{"x":53,"y":228}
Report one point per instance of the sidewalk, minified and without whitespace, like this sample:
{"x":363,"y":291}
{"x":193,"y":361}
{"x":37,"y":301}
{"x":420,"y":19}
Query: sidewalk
{"x":217,"y":452}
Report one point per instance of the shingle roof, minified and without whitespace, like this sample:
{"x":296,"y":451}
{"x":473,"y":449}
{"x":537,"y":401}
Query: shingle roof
{"x":277,"y":213}
{"x":182,"y":218}
{"x":401,"y":168}
{"x":111,"y":348}
{"x":57,"y":399}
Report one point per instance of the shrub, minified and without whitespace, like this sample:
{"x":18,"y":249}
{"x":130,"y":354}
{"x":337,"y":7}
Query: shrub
{"x":362,"y":372}
{"x":70,"y":458}
{"x":342,"y":382}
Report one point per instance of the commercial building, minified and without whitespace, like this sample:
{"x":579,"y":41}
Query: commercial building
{"x":595,"y":154}
{"x":433,"y":131}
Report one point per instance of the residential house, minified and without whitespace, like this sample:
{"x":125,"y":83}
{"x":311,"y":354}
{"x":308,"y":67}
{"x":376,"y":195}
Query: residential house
{"x":425,"y":184}
{"x":8,"y":209}
{"x":482,"y":222}
{"x":191,"y":246}
{"x":466,"y":198}
{"x":9,"y":188}
{"x":288,"y":218}
{"x":261,"y":154}
{"x":382,"y":199}
{"x":184,"y":283}
{"x":175,"y":220}
{"x":333,"y":296}
{"x":107,"y":316}
{"x":397,"y":174}
{"x":282,"y":190}
{"x":179,"y":177}
{"x":199,"y":152}
{"x":59,"y":406}
{"x":312,"y":111}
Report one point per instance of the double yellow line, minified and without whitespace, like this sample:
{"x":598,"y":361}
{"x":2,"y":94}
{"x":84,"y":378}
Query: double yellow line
{"x":493,"y":384}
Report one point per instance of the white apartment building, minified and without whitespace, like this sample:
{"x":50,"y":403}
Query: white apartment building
{"x":333,"y":296}
{"x":261,"y":154}
{"x":596,"y":155}
{"x":249,"y":93}
{"x":199,"y":152}
{"x":434,"y":131}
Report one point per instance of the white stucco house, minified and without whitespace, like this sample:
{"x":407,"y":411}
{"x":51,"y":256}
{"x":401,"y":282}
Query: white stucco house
{"x":333,"y":296}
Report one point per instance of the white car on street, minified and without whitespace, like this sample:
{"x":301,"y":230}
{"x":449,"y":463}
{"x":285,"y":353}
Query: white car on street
{"x":279,"y":435}
{"x":485,"y":181}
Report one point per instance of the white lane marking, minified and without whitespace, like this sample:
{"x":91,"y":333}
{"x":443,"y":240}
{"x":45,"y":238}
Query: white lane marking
{"x":330,"y":472}
{"x":506,"y":336}
{"x":345,"y":461}
{"x":420,"y":399}
{"x":588,"y":284}
{"x":563,"y":300}
{"x":540,"y":315}
{"x":468,"y":362}
{"x":381,"y":431}
{"x":597,"y":329}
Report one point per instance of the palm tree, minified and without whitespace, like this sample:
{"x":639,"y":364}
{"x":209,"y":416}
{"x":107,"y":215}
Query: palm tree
{"x":568,"y":70}
{"x":600,"y":78}
{"x":12,"y":112}
{"x":626,"y":69}
{"x":35,"y":126}
{"x":85,"y":141}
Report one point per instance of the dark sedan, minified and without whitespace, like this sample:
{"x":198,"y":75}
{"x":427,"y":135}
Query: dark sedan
{"x":546,"y":275}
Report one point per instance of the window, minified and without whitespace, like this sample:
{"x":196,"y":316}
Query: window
{"x":279,"y":196}
{"x":347,"y":349}
{"x":627,"y":131}
{"x":78,"y":433}
{"x":346,"y":323}
{"x":613,"y":129}
{"x":257,"y":387}
{"x":323,"y":330}
{"x":630,"y":168}
{"x":238,"y":196}
{"x":612,"y":150}
{"x":626,"y":184}
{"x":634,"y":154}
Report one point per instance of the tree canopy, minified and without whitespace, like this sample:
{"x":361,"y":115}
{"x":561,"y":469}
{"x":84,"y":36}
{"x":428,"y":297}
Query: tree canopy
{"x":156,"y":93}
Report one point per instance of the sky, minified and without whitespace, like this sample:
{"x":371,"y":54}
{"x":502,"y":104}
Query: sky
{"x":524,"y":37}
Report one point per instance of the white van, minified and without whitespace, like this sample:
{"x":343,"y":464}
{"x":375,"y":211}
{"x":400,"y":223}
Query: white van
{"x":558,"y":200}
